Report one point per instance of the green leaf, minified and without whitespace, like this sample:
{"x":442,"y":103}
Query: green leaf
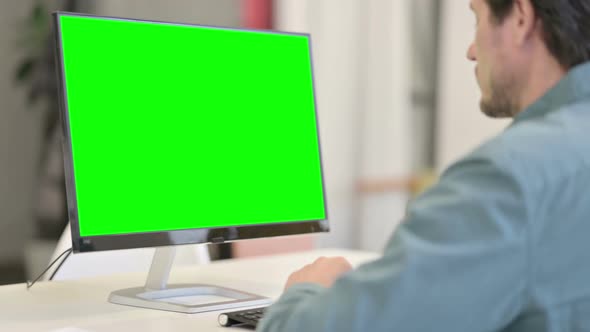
{"x":24,"y":70}
{"x":39,"y":15}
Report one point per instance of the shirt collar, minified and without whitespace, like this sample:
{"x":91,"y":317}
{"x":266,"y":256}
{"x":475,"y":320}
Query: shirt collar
{"x":572,"y":87}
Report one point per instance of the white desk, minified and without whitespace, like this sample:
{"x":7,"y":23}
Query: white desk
{"x":82,"y":304}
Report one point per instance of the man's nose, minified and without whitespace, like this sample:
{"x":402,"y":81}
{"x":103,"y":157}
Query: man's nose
{"x":471,"y":52}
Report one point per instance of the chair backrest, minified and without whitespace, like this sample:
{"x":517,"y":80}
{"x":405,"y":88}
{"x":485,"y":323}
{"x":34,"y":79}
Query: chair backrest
{"x":116,"y":261}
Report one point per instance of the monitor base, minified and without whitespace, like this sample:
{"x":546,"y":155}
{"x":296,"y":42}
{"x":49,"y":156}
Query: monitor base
{"x":157,"y":294}
{"x":163,"y":299}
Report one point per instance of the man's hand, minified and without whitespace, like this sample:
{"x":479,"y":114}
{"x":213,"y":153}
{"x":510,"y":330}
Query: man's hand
{"x":324,"y":271}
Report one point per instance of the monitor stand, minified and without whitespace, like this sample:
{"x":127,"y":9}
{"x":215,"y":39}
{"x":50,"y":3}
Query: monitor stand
{"x":157,"y":294}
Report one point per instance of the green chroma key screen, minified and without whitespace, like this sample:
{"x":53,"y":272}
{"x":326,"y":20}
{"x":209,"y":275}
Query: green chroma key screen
{"x":179,"y":127}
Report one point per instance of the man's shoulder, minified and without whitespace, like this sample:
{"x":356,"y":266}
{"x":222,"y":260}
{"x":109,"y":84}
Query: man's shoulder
{"x":541,"y":149}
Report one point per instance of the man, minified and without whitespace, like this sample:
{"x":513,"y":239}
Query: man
{"x":502,"y":242}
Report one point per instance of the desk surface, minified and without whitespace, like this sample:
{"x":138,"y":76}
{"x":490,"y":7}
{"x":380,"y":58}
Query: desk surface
{"x":81,"y":305}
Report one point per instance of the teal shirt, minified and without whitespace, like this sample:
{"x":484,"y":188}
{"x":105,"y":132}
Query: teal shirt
{"x":501,"y":243}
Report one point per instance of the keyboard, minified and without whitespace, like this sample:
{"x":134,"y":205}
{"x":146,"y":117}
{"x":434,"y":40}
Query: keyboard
{"x":247,"y":318}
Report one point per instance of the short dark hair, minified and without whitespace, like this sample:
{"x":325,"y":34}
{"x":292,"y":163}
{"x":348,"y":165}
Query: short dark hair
{"x":566,"y":27}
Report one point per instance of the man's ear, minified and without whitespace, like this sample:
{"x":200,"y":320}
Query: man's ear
{"x":524,"y":21}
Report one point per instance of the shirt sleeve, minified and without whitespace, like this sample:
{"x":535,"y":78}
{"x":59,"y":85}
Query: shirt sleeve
{"x":457,"y":263}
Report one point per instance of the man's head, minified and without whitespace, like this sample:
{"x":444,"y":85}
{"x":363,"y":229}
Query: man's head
{"x":522,"y":46}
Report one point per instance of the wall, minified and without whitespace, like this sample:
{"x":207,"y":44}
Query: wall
{"x":217,"y":12}
{"x":385,"y":112}
{"x":20,"y":126}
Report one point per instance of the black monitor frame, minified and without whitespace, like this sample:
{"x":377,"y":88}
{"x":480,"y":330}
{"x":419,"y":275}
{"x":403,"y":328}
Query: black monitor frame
{"x":172,"y":237}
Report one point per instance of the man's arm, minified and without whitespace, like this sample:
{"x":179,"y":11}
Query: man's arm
{"x":458,"y":263}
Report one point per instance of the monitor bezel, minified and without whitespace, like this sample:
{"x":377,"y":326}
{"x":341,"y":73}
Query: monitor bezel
{"x":171,"y":237}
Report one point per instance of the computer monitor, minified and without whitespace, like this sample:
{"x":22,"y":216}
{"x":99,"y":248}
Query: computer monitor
{"x":179,"y":134}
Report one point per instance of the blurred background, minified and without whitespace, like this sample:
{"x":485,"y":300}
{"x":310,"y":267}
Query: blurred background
{"x":397,"y":103}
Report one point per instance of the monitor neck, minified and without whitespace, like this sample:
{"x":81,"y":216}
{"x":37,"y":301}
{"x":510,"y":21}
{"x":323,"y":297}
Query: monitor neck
{"x":157,"y":278}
